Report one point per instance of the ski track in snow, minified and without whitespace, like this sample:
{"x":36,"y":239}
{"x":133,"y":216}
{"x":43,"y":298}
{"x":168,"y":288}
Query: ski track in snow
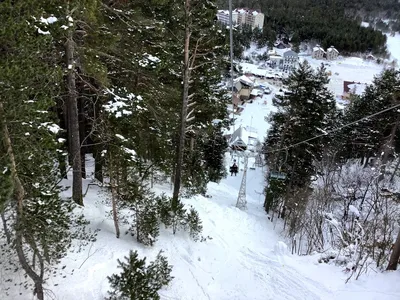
{"x":239,"y":262}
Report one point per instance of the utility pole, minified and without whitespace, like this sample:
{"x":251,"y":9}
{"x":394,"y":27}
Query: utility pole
{"x":231,"y":57}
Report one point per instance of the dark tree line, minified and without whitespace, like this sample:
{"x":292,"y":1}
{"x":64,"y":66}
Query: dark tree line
{"x":327,"y":22}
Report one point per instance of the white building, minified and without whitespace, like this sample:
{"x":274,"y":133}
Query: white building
{"x":318,"y":52}
{"x":223,"y":17}
{"x":290,"y":60}
{"x":242,"y":16}
{"x":332,"y":53}
{"x":276,"y":61}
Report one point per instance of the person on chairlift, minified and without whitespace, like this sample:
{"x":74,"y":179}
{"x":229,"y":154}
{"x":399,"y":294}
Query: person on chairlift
{"x":234,"y":168}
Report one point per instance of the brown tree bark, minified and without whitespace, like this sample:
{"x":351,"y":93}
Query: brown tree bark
{"x":82,"y":133}
{"x":19,"y":194}
{"x":73,"y":122}
{"x":114,"y":197}
{"x":395,"y":256}
{"x":98,"y":163}
{"x":185,"y":101}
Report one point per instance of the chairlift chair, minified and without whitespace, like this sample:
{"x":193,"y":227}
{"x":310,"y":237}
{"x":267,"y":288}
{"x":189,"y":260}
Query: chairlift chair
{"x":277,"y":175}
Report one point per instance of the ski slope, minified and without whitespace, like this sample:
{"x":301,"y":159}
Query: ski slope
{"x":244,"y":258}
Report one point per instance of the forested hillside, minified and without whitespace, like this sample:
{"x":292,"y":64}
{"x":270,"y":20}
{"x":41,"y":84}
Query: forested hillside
{"x":133,"y":83}
{"x":328,"y":22}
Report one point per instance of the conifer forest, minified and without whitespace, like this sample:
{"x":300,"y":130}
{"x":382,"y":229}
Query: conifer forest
{"x":108,"y":102}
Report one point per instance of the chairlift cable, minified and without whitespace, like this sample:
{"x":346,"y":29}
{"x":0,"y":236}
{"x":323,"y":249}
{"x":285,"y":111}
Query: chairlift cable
{"x":333,"y":130}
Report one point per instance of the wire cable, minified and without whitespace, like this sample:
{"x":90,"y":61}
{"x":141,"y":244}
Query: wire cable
{"x":334,"y":130}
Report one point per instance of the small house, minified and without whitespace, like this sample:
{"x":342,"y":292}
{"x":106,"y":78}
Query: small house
{"x":318,"y":52}
{"x":370,"y":57}
{"x":242,"y":139}
{"x":332,"y":53}
{"x":281,"y":45}
{"x":352,"y":88}
{"x":243,"y":86}
{"x":276,"y":61}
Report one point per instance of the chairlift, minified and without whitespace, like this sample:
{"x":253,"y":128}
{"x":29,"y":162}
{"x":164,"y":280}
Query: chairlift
{"x":277,"y":175}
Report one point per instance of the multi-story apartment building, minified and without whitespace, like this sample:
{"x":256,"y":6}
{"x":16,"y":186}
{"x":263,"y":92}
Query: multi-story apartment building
{"x":242,"y":16}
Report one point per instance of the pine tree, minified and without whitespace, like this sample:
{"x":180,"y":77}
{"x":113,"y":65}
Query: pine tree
{"x":214,"y":147}
{"x":306,"y":110}
{"x":138,"y":281}
{"x":376,"y":136}
{"x":31,"y":80}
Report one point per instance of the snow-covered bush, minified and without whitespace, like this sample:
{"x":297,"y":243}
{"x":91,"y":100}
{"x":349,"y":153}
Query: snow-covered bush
{"x":138,"y":281}
{"x":194,"y":224}
{"x":180,"y":218}
{"x":350,"y":216}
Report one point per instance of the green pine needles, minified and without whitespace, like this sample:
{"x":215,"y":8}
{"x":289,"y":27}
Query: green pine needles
{"x":138,"y":281}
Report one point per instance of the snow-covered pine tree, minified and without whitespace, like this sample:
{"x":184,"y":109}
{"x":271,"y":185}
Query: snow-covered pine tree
{"x":200,"y":34}
{"x":138,"y":281}
{"x":37,"y":220}
{"x":142,"y":58}
{"x":213,"y":148}
{"x":377,"y":135}
{"x":304,"y":111}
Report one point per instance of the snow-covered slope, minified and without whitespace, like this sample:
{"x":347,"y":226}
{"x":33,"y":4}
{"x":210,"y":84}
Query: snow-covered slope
{"x":393,"y":45}
{"x":245,"y":257}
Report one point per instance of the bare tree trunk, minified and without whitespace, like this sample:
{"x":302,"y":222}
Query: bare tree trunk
{"x":82,"y":133}
{"x":185,"y":101}
{"x":395,"y":256}
{"x":114,"y":198}
{"x":5,"y":228}
{"x":73,"y":123}
{"x":395,"y":171}
{"x":19,"y":194}
{"x":98,"y":163}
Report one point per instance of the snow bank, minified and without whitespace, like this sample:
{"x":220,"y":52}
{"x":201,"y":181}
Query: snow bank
{"x":281,"y":248}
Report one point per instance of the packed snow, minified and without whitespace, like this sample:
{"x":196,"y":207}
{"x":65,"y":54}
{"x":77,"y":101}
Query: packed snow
{"x":393,"y":45}
{"x":244,"y":256}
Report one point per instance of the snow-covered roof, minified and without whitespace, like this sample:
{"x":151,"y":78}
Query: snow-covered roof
{"x":246,"y":11}
{"x":245,"y":80}
{"x":290,"y":53}
{"x":331,"y":48}
{"x":256,"y":92}
{"x":357,"y":88}
{"x":275,"y":57}
{"x":318,"y":48}
{"x":226,"y":12}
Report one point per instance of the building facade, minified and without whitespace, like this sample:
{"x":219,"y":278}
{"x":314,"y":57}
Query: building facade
{"x":332,"y":53}
{"x":290,"y":60}
{"x":242,"y":16}
{"x":318,"y":52}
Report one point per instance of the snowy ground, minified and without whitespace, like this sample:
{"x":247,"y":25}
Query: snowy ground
{"x":393,"y":45}
{"x":245,"y":259}
{"x":343,"y":69}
